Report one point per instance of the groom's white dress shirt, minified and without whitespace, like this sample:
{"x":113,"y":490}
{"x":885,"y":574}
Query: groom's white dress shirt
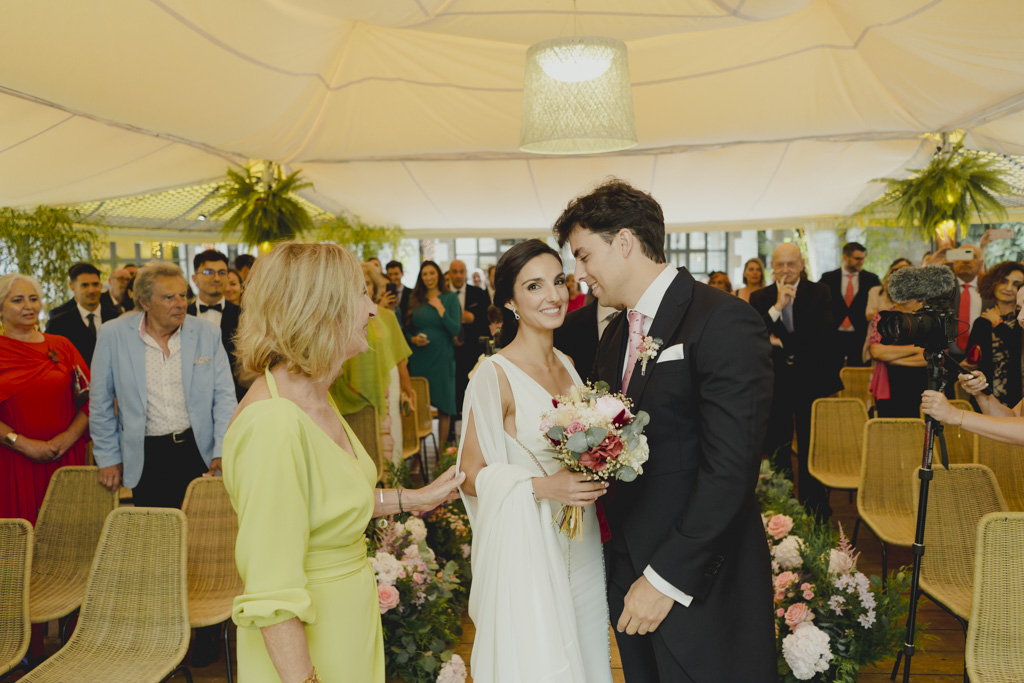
{"x":648,"y":306}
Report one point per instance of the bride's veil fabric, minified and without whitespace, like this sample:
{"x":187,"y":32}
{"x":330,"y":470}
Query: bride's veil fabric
{"x":521,"y":601}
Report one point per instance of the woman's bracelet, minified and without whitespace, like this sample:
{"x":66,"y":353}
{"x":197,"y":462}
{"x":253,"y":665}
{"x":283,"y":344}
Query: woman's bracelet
{"x":313,"y":677}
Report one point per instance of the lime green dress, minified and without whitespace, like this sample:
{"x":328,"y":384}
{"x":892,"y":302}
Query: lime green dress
{"x":303,"y":504}
{"x":365,"y":378}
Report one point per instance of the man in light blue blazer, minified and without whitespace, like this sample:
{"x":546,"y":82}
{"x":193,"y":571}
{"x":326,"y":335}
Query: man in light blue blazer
{"x":162,"y":393}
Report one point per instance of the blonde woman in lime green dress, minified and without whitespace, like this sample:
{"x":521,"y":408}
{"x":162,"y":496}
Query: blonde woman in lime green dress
{"x":299,"y":480}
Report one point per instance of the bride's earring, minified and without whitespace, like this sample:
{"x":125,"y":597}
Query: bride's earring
{"x":515,"y":313}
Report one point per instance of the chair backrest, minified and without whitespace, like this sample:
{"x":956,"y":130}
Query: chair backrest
{"x":855,"y":384}
{"x":837,"y":438}
{"x":71,"y":519}
{"x":961,"y":393}
{"x":212,"y":531}
{"x":136,"y":601}
{"x":995,"y":635}
{"x":15,"y":571}
{"x":422,"y":388}
{"x":892,"y":453}
{"x":366,"y":425}
{"x":960,"y":445}
{"x":1007,"y":461}
{"x":410,"y":432}
{"x":957,"y":500}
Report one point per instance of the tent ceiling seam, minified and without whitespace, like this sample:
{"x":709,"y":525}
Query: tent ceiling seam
{"x":1002,"y":109}
{"x":426,"y":196}
{"x":533,"y":184}
{"x":37,"y":134}
{"x":771,"y":179}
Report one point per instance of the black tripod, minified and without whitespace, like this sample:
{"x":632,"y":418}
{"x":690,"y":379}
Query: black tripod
{"x":933,"y":428}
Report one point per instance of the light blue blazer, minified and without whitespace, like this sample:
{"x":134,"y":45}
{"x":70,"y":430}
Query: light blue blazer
{"x":119,"y":371}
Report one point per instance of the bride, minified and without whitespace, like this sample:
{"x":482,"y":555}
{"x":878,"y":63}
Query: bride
{"x":537,"y":598}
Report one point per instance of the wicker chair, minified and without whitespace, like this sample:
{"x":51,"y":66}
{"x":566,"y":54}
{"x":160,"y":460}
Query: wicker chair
{"x":15,"y":573}
{"x":855,"y":385}
{"x":959,"y":497}
{"x":1008,"y":463}
{"x":960,"y":445}
{"x":213,"y":580}
{"x":425,"y":426}
{"x":134,"y":620}
{"x":70,"y":521}
{"x":995,"y":637}
{"x":885,"y":497}
{"x":366,"y":425}
{"x":837,"y":440}
{"x":411,"y":438}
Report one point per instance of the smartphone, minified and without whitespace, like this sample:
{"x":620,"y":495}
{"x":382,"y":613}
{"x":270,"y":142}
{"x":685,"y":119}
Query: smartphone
{"x":973,"y":351}
{"x":965,"y":254}
{"x":391,"y":288}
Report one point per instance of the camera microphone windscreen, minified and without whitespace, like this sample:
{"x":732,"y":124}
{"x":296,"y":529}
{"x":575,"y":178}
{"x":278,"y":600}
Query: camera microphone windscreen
{"x":926,"y":283}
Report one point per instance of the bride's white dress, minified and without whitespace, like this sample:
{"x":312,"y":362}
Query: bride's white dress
{"x":537,"y":599}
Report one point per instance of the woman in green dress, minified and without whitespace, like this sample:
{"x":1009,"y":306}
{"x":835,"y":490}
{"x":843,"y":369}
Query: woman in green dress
{"x":432,"y":323}
{"x":300,"y":482}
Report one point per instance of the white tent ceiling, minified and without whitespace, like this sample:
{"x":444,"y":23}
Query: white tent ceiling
{"x":407,"y":111}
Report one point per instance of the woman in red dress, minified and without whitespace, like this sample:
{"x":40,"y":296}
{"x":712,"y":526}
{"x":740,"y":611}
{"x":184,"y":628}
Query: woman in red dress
{"x":41,"y":426}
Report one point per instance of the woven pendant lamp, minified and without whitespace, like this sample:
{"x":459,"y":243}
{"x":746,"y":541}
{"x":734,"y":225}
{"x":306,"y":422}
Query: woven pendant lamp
{"x":577,"y":97}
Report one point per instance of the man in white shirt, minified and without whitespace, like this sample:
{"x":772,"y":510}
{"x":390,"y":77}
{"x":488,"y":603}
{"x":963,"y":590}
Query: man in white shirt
{"x":83,"y":316}
{"x":474,"y":302}
{"x":968,"y":308}
{"x":211,"y":275}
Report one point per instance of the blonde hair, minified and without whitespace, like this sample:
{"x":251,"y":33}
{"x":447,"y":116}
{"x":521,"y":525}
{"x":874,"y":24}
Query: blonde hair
{"x":377,"y":280}
{"x":301,"y":302}
{"x":145,"y":279}
{"x":7,"y":284}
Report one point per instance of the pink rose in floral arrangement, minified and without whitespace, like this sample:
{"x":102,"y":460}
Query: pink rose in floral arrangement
{"x":780,"y":612}
{"x":784,"y":580}
{"x":597,"y":457}
{"x":609,"y":406}
{"x":798,"y":613}
{"x":387,"y":596}
{"x":574,"y":426}
{"x":808,"y":595}
{"x":779,"y":526}
{"x":417,"y":577}
{"x":546,"y":424}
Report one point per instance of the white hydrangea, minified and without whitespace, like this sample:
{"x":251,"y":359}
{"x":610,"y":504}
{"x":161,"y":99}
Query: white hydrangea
{"x":839,"y":562}
{"x":416,"y":527}
{"x":466,"y":550}
{"x":806,"y":651}
{"x":787,"y":552}
{"x":453,"y":671}
{"x":386,"y":566}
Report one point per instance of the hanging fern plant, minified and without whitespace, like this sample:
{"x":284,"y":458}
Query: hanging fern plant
{"x":939,"y":201}
{"x":263,"y":208}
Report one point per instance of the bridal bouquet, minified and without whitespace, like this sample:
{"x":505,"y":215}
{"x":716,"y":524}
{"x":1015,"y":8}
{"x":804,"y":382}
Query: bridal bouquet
{"x":594,"y":432}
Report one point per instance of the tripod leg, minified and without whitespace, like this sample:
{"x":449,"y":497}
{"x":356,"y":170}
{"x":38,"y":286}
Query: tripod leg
{"x":856,"y":528}
{"x":885,"y":562}
{"x":896,"y":669}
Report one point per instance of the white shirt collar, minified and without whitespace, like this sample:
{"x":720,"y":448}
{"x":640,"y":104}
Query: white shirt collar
{"x":220,"y":302}
{"x":651,"y":300}
{"x":85,"y":312}
{"x":961,"y":283}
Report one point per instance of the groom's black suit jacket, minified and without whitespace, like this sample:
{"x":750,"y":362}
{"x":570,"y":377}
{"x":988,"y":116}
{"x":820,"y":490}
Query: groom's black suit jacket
{"x":692,"y":515}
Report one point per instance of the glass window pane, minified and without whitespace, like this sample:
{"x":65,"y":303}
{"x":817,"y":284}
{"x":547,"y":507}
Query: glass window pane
{"x":441,"y":252}
{"x":716,"y":260}
{"x":697,"y":263}
{"x":465,"y":245}
{"x":716,"y":240}
{"x":696,"y":240}
{"x":488,"y":245}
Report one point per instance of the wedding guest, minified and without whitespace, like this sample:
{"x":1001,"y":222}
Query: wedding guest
{"x":878,"y":298}
{"x":968,"y":301}
{"x":490,"y":282}
{"x":474,"y":302}
{"x":233,"y":287}
{"x":211,"y":274}
{"x":379,"y":375}
{"x":42,"y":427}
{"x":720,"y":280}
{"x":395,"y":272}
{"x":898,"y":372}
{"x":431,"y":324}
{"x":753,"y":278}
{"x":82,"y":322}
{"x":375,"y":262}
{"x":997,"y":334}
{"x":116,"y":296}
{"x":243,"y":264}
{"x":579,"y":335}
{"x":478,"y":278}
{"x":850,"y":286}
{"x":300,"y":481}
{"x":132,"y":269}
{"x":576,"y":298}
{"x":177,"y":365}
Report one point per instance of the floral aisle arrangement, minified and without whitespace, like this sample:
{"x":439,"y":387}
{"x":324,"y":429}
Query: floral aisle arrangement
{"x":420,"y":615}
{"x":448,"y":532}
{"x":830,"y":618}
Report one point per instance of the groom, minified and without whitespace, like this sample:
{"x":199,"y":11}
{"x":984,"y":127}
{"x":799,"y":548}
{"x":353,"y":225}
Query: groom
{"x":689,"y":574}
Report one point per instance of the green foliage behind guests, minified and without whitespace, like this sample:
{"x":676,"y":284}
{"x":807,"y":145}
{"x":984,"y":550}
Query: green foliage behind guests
{"x":44,"y":243}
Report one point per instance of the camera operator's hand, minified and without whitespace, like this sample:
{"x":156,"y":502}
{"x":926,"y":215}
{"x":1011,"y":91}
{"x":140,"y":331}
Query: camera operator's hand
{"x":974,"y":383}
{"x":934,"y":403}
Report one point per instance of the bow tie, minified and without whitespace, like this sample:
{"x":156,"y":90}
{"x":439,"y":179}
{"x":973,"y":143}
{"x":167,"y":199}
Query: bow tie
{"x":216,"y":307}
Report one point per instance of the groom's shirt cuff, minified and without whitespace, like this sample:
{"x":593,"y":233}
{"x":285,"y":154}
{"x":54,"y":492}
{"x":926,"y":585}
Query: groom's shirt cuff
{"x":666,"y":588}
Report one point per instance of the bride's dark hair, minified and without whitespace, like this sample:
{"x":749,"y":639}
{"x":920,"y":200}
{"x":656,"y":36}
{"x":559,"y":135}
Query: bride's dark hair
{"x":505,"y":274}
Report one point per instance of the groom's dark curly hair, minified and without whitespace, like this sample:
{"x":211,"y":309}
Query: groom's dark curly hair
{"x":612,"y":206}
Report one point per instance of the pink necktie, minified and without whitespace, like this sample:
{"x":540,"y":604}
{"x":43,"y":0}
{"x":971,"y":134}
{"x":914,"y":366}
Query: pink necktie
{"x":849,"y":302}
{"x":636,"y":335}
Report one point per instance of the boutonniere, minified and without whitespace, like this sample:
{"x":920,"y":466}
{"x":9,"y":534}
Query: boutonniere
{"x":647,"y":349}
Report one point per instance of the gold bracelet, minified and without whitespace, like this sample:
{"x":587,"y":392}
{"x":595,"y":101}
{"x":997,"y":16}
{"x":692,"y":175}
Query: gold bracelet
{"x":960,"y":426}
{"x":313,"y":677}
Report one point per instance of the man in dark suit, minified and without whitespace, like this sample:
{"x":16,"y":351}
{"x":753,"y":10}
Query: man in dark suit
{"x":849,"y":286}
{"x":580,"y":333}
{"x":81,"y":320}
{"x":394,"y":274}
{"x":474,"y":302}
{"x":798,"y":314}
{"x":688,"y":569}
{"x":211,"y":274}
{"x":116,"y":295}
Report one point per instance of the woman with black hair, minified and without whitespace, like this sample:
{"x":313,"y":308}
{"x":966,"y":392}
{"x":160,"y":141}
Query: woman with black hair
{"x":997,"y":334}
{"x":538,"y":597}
{"x":431,"y":325}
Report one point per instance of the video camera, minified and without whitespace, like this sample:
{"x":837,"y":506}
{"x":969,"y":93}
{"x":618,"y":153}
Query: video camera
{"x":934,"y":326}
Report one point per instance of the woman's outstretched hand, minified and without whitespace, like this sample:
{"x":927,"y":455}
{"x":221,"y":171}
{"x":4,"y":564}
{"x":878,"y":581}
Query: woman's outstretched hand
{"x":441,"y":490}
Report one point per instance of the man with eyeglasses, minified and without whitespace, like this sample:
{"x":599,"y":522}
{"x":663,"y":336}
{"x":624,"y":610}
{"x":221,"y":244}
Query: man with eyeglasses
{"x":211,"y":275}
{"x":116,"y":296}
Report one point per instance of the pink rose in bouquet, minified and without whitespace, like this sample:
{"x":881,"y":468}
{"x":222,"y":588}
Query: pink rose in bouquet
{"x":575,"y":426}
{"x":779,"y":526}
{"x":597,"y":457}
{"x":387,"y":596}
{"x":798,"y":613}
{"x":613,"y":408}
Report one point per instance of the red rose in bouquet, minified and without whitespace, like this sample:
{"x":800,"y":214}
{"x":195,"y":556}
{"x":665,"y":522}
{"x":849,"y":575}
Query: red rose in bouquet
{"x":598,"y":456}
